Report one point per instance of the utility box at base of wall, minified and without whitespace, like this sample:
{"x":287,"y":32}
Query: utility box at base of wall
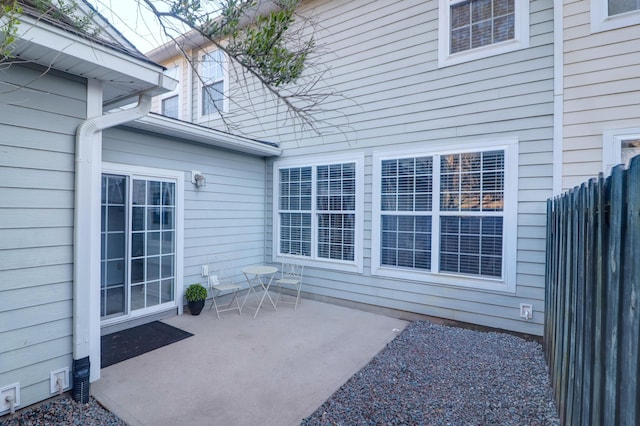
{"x":81,"y":369}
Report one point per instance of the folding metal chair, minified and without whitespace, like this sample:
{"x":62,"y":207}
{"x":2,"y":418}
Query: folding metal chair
{"x":220,"y":277}
{"x":291,"y":279}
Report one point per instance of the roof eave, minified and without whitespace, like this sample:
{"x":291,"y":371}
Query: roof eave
{"x":53,"y":47}
{"x":203,"y":135}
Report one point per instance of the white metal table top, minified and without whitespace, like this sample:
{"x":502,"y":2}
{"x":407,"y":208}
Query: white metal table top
{"x":259,"y":270}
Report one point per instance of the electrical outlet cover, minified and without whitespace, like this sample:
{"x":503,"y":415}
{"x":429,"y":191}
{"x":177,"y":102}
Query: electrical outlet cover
{"x":62,"y":375}
{"x":526,"y":311}
{"x":12,"y":391}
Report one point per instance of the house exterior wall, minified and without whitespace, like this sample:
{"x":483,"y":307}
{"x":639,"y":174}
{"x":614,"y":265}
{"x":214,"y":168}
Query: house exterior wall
{"x":382,"y":59}
{"x":37,"y":153}
{"x":601,"y":89}
{"x":39,"y":114}
{"x":396,"y":98}
{"x":224,"y":217}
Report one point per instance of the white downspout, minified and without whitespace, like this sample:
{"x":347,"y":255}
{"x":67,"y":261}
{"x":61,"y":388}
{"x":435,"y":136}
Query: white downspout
{"x":558,"y":98}
{"x":86,"y":239}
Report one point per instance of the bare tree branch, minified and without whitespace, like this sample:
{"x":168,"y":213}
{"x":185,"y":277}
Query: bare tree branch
{"x":268,"y":44}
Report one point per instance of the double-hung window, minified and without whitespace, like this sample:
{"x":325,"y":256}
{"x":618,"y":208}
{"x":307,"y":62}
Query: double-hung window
{"x":317,"y":212}
{"x":443,"y":216}
{"x":212,"y":78}
{"x":472,"y":29}
{"x":612,"y":14}
{"x":170,"y":103}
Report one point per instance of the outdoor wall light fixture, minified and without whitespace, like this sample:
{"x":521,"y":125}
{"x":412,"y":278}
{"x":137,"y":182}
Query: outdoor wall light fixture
{"x":197,"y":178}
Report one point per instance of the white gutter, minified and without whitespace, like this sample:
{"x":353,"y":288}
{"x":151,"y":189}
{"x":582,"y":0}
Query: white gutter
{"x":204,"y":135}
{"x":86,"y":239}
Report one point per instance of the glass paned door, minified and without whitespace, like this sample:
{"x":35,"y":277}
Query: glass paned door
{"x":138,"y":244}
{"x":152,"y":243}
{"x":113,"y":247}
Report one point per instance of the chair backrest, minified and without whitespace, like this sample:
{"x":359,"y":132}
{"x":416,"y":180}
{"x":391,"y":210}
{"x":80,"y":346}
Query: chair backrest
{"x":292,"y":270}
{"x":220,"y":270}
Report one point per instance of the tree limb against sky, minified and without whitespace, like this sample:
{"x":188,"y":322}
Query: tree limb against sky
{"x":265,"y":41}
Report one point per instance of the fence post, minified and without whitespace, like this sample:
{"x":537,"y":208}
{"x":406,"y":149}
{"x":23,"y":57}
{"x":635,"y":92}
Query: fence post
{"x":630,"y":304}
{"x":612,"y":321}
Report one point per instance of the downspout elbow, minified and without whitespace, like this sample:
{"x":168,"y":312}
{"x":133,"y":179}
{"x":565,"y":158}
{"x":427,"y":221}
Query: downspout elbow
{"x":102,"y":122}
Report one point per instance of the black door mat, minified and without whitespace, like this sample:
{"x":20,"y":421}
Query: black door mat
{"x":129,"y":343}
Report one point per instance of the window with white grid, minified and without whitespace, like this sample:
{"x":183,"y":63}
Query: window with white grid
{"x":473,"y":29}
{"x":336,"y":205}
{"x":318,"y":210}
{"x":477,"y":23}
{"x":212,"y":90}
{"x":170,"y":102}
{"x":295,"y":211}
{"x":443,"y":214}
{"x":406,"y":200}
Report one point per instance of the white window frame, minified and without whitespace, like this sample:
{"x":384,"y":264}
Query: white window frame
{"x":601,"y":21}
{"x":612,"y":146}
{"x":201,"y":84}
{"x":179,"y":177}
{"x":340,"y":265}
{"x":520,"y":40}
{"x":175,"y":92}
{"x":507,"y":283}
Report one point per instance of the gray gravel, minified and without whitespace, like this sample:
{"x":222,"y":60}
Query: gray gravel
{"x":63,"y":411}
{"x":438,"y":375}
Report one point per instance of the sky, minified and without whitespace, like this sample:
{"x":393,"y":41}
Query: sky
{"x":134,"y":21}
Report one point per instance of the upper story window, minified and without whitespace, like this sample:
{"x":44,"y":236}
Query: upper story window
{"x":619,"y":147}
{"x":170,"y":102}
{"x":212,"y":89}
{"x":617,"y":7}
{"x":477,"y":23}
{"x":170,"y":106}
{"x":318,"y":212}
{"x":612,"y":14}
{"x":473,"y":29}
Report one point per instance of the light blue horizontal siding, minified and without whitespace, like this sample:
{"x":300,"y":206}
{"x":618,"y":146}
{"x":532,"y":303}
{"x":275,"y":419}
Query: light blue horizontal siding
{"x":38,"y":120}
{"x":227,"y":216}
{"x":601,"y":76}
{"x":383,"y":61}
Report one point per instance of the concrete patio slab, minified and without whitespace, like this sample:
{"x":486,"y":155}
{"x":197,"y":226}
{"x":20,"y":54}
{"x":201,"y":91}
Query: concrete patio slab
{"x":274,"y":370}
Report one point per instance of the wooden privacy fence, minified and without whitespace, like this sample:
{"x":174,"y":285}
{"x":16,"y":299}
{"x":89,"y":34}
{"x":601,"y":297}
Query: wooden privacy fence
{"x":592,"y":300}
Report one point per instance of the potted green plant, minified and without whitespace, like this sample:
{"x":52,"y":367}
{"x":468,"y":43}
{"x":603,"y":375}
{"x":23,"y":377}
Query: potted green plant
{"x":195,"y":294}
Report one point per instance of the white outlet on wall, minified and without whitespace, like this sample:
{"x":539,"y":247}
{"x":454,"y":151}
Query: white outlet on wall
{"x":526,"y":311}
{"x":59,"y":380}
{"x":9,"y":397}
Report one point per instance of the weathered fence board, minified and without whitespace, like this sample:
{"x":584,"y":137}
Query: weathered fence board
{"x":630,"y":324}
{"x":592,"y":305}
